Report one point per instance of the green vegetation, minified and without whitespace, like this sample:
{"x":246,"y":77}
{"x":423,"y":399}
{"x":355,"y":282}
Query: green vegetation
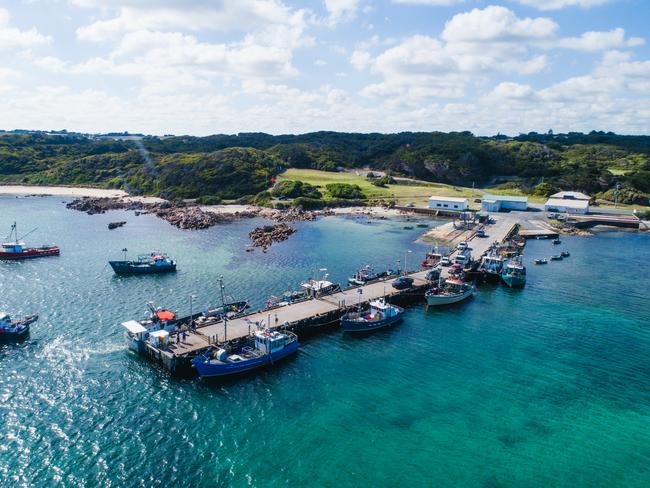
{"x":244,"y":166}
{"x":345,"y":191}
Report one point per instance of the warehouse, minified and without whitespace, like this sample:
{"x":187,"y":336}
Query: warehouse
{"x":567,"y":205}
{"x":448,"y":203}
{"x":499,"y":203}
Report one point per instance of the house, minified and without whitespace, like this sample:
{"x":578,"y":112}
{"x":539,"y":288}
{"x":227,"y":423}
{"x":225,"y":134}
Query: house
{"x":499,"y":203}
{"x":571,"y":202}
{"x":448,"y":203}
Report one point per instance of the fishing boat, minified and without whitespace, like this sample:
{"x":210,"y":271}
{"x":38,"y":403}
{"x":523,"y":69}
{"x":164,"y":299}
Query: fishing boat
{"x":379,"y":314}
{"x":14,"y":248}
{"x":15,"y":330}
{"x":154,"y":263}
{"x":557,"y":241}
{"x":557,"y":257}
{"x":432,"y":259}
{"x":408,"y":227}
{"x":453,"y":291}
{"x":320,"y":287}
{"x":229,"y":310}
{"x":263,"y":348}
{"x":565,"y":254}
{"x":514,"y":273}
{"x":155,"y":328}
{"x":492,"y":266}
{"x":367,"y":275}
{"x":541,"y":261}
{"x":286,"y":298}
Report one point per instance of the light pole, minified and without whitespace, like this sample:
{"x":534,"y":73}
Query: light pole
{"x":405,"y":267}
{"x":192,"y":297}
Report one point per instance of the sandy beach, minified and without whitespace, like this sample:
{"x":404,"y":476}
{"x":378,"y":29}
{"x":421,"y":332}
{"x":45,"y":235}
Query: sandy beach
{"x":72,"y":191}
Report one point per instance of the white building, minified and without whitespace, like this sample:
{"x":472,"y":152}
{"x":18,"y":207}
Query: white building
{"x":572,"y":202}
{"x":448,"y":203}
{"x":498,"y":203}
{"x":567,"y":205}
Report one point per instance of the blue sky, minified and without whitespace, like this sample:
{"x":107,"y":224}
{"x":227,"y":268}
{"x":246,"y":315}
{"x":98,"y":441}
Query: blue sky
{"x":227,"y":66}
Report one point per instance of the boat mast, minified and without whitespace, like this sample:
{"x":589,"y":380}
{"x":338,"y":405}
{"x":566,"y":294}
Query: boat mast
{"x":223,"y":307}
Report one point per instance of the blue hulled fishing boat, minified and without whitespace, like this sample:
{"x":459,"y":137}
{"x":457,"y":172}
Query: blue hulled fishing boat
{"x":15,"y":330}
{"x":146,"y":264}
{"x":263,"y":348}
{"x":514,"y":273}
{"x":380,"y":314}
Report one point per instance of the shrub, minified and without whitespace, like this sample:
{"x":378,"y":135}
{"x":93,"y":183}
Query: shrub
{"x":344,"y":190}
{"x":209,"y":200}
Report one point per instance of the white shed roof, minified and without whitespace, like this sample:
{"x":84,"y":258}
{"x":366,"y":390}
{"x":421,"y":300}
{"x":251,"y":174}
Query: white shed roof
{"x":504,"y":198}
{"x":571,"y":195}
{"x":448,"y":199}
{"x":567,"y":202}
{"x":134,"y":327}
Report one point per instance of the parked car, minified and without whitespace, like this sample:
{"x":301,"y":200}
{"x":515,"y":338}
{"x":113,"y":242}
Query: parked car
{"x":402,"y":283}
{"x":445,"y":261}
{"x":410,"y":205}
{"x":433,"y":274}
{"x":552,"y":215}
{"x":481,"y":233}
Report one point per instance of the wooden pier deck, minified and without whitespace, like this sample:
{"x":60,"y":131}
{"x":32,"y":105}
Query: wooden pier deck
{"x":313,"y":312}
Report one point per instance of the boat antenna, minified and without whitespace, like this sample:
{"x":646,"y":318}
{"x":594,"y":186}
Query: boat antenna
{"x":125,"y":251}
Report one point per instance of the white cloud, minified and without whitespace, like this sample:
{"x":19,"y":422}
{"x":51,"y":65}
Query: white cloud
{"x":598,"y":41}
{"x":434,"y":3}
{"x":360,"y":59}
{"x":340,"y":10}
{"x":12,"y":37}
{"x":560,"y":4}
{"x":496,"y":24}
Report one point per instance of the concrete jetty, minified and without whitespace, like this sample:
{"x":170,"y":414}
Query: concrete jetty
{"x":316,"y":312}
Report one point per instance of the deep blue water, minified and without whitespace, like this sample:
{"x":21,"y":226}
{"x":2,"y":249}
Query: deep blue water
{"x":546,"y":386}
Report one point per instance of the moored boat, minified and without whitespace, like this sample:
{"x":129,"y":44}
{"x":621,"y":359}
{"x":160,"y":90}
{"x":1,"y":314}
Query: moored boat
{"x":492,"y":266}
{"x":14,"y":248}
{"x":514,"y":273}
{"x":367,"y":275}
{"x":557,"y":241}
{"x":557,"y":257}
{"x":541,"y":261}
{"x":263,"y":348}
{"x":565,"y":254}
{"x":453,"y":291}
{"x":432,"y":259}
{"x":229,"y":310}
{"x":379,"y":314}
{"x":153,"y":263}
{"x":155,"y":328}
{"x":15,"y":330}
{"x":321,"y":287}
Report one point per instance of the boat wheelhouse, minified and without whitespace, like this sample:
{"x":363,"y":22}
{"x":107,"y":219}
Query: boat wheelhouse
{"x":492,"y":265}
{"x":263,"y":348}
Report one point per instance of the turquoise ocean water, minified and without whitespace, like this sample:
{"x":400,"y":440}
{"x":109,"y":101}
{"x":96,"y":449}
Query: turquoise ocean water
{"x":546,"y":386}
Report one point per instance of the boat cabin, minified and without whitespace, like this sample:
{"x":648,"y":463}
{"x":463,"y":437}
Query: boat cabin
{"x":269,"y":342}
{"x":5,"y":319}
{"x":14,"y":247}
{"x":380,"y":306}
{"x":135,"y":329}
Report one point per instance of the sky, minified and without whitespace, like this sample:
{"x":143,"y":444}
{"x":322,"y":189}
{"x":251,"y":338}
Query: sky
{"x":282,"y":66}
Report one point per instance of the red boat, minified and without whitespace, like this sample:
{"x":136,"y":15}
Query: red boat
{"x":15,"y":249}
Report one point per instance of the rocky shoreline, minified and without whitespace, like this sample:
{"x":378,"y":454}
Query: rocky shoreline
{"x":189,"y":216}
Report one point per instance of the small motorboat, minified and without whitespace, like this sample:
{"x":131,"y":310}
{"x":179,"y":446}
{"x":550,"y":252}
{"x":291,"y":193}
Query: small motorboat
{"x":408,"y":227}
{"x":15,"y":330}
{"x":16,"y":249}
{"x":153,"y":263}
{"x":541,"y":261}
{"x":565,"y":254}
{"x":380,"y":314}
{"x":321,"y":287}
{"x":422,"y":226}
{"x":264,"y":347}
{"x":453,"y":291}
{"x":229,"y":310}
{"x":365,"y":275}
{"x":557,"y":241}
{"x":557,"y":257}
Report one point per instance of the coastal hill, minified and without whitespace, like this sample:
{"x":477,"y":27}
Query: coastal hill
{"x":244,"y":167}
